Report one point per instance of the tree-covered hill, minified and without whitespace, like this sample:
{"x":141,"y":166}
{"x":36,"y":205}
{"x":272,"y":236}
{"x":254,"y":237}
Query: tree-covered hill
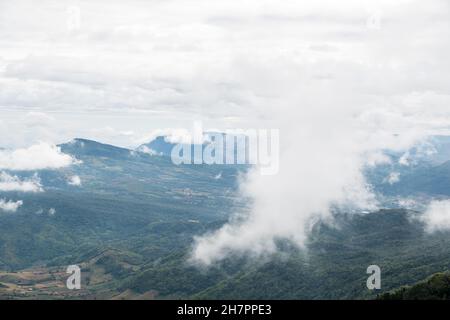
{"x":436,"y":287}
{"x":131,"y":222}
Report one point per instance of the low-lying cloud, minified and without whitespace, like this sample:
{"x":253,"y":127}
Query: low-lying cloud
{"x":13,"y":183}
{"x":74,"y":181}
{"x":37,"y":157}
{"x":10,"y":206}
{"x":336,"y":111}
{"x":437,"y":216}
{"x":392,"y":178}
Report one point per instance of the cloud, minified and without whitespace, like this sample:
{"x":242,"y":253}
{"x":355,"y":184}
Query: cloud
{"x":377,"y":158}
{"x":149,"y":151}
{"x":14,"y":183}
{"x":393,"y":178}
{"x":437,"y":216}
{"x":334,"y":114}
{"x":37,"y":119}
{"x":404,"y":159}
{"x":74,"y":181}
{"x":37,"y":157}
{"x":10,"y":206}
{"x":319,"y":169}
{"x":175,"y":135}
{"x":329,"y":134}
{"x":410,"y":204}
{"x":201,"y":62}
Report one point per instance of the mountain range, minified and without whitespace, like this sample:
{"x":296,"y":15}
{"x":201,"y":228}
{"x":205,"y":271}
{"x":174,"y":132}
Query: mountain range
{"x":130,"y":222}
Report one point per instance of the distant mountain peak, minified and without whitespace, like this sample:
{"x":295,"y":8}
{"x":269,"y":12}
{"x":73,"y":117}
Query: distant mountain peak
{"x":163,"y":144}
{"x":86,"y":147}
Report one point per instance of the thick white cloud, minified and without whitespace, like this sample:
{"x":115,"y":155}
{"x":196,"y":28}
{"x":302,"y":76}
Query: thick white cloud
{"x":10,"y":206}
{"x":37,"y":157}
{"x":13,"y":183}
{"x":437,"y":216}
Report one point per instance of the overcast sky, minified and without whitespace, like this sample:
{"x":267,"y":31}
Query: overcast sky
{"x":116,"y":70}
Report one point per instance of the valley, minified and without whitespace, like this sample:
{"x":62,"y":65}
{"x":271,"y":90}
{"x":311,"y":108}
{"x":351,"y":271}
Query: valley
{"x":131,"y":222}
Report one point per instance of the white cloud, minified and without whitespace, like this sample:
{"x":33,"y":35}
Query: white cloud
{"x":74,"y":181}
{"x":10,"y":206}
{"x":13,"y":183}
{"x":377,"y":158}
{"x":37,"y":119}
{"x":37,"y":157}
{"x":334,"y":113}
{"x":149,"y":151}
{"x":404,"y":159}
{"x":393,"y":178}
{"x":410,"y":203}
{"x":175,"y":135}
{"x":437,"y":216}
{"x":86,"y":81}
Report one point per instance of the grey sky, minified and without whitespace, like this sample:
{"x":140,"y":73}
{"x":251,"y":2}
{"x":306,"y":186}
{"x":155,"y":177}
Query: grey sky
{"x":117,"y":70}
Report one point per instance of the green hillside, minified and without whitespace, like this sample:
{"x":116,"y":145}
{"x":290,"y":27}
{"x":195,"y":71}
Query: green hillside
{"x":436,"y":287}
{"x":131,"y":227}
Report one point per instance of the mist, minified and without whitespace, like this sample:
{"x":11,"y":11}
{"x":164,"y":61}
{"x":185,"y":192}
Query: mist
{"x":336,"y":117}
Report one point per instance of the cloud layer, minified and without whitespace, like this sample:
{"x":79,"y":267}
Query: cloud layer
{"x":37,"y":157}
{"x":13,"y":183}
{"x":337,"y":110}
{"x":10,"y":206}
